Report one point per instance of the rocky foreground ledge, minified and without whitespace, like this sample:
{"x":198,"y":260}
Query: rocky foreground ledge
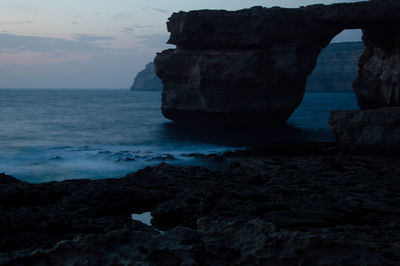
{"x":299,"y":205}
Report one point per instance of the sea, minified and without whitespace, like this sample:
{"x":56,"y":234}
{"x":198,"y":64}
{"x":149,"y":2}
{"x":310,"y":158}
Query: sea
{"x":59,"y":134}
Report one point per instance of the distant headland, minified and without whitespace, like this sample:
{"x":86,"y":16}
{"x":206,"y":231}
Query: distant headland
{"x":147,"y":80}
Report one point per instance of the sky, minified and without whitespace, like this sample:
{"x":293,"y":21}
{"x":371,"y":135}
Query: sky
{"x":96,"y":43}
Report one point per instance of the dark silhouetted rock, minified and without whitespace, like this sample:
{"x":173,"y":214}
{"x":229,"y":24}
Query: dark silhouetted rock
{"x":6,"y":179}
{"x":375,"y":130}
{"x":377,"y":126}
{"x":336,"y":70}
{"x":378,"y":83}
{"x":147,"y":80}
{"x":251,"y":66}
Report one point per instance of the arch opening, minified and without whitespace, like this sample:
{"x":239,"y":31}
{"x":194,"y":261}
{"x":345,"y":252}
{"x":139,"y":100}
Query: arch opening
{"x":329,"y":86}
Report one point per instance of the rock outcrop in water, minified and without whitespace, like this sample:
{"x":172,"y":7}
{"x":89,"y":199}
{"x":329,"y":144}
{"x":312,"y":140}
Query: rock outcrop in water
{"x":252,"y":65}
{"x":376,"y":127}
{"x":147,"y":80}
{"x":373,"y":130}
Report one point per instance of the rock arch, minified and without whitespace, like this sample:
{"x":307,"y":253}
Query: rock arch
{"x":252,"y":65}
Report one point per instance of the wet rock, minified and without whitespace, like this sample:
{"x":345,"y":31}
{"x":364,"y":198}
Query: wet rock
{"x":127,"y":159}
{"x":375,"y":130}
{"x":132,"y":244}
{"x":211,"y":156}
{"x":163,"y":157}
{"x":216,"y":241}
{"x":256,"y":242}
{"x":267,"y":208}
{"x":6,"y":179}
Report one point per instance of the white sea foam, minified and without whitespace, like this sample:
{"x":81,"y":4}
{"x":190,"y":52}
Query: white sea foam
{"x":51,"y":135}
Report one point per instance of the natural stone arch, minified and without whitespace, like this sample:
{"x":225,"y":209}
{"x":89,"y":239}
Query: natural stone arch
{"x":252,"y":65}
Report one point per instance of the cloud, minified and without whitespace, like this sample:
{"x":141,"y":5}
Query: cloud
{"x":143,"y":26}
{"x":123,"y":16}
{"x":100,"y":71}
{"x":17,"y":22}
{"x":38,"y":50}
{"x":128,"y":30}
{"x":153,"y":40}
{"x":44,"y":62}
{"x":157,"y":9}
{"x":74,"y":22}
{"x":93,"y":38}
{"x":33,"y":58}
{"x":11,"y":42}
{"x":83,"y":44}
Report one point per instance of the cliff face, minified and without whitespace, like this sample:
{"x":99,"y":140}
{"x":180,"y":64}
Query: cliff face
{"x":235,"y":66}
{"x":377,"y":126}
{"x":147,"y":80}
{"x":252,"y":65}
{"x":337,"y":67}
{"x":336,"y":70}
{"x":378,"y":82}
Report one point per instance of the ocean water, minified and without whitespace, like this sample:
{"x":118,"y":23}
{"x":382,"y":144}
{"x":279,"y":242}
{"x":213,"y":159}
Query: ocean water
{"x":53,"y":135}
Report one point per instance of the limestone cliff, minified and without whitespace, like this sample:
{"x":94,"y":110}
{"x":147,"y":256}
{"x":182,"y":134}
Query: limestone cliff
{"x":376,"y":127}
{"x":147,"y":80}
{"x":337,"y":67}
{"x":378,"y":83}
{"x":252,"y":65}
{"x":336,"y":70}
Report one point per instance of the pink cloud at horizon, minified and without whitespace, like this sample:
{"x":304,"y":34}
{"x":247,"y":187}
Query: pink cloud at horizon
{"x":40,"y":58}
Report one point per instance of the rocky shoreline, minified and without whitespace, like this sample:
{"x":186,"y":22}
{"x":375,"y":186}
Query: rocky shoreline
{"x":284,"y":204}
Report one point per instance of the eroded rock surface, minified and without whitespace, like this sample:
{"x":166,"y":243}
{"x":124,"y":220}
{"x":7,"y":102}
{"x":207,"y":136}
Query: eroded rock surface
{"x":376,"y":127}
{"x":251,"y":65}
{"x":269,"y":208}
{"x":374,"y":130}
{"x":336,"y":70}
{"x":378,"y":82}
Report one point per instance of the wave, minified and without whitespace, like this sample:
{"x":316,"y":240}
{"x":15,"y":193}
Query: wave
{"x":42,"y":164}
